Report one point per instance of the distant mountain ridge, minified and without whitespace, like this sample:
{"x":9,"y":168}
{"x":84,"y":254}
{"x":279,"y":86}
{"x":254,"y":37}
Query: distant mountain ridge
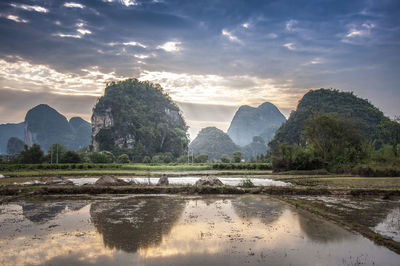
{"x":249,"y":122}
{"x":10,"y":130}
{"x":45,"y":126}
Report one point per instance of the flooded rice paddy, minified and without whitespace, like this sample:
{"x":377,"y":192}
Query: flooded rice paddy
{"x":187,"y":180}
{"x":177,"y":230}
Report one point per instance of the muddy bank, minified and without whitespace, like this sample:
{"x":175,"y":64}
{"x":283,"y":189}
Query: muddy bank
{"x":14,"y":190}
{"x":376,"y":218}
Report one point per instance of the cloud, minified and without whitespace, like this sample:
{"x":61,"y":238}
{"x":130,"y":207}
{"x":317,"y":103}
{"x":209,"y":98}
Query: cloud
{"x":14,"y":18}
{"x":290,"y":25}
{"x":246,"y":25}
{"x":291,"y":46}
{"x":129,"y":2}
{"x":170,"y":46}
{"x":74,"y":5}
{"x":272,"y":36}
{"x":30,"y":8}
{"x":19,"y":74}
{"x":314,"y":61}
{"x":356,"y":34}
{"x":81,"y":31}
{"x":230,"y":36}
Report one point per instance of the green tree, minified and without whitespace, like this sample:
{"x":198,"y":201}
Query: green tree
{"x":237,"y":157}
{"x":98,"y":157}
{"x":56,"y":152}
{"x":123,"y":158}
{"x":391,"y":132}
{"x":71,"y":157}
{"x":201,"y":158}
{"x":334,"y":139}
{"x":32,"y":154}
{"x":225,"y":158}
{"x":14,"y":145}
{"x":146,"y":159}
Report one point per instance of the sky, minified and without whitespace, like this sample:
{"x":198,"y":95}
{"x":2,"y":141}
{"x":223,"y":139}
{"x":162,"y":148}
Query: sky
{"x":211,"y":56}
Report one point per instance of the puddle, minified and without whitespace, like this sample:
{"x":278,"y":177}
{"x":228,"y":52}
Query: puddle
{"x":231,"y":181}
{"x":179,"y":230}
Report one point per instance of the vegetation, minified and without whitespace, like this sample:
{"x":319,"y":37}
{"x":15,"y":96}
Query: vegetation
{"x":323,"y":101}
{"x":246,"y":183}
{"x":237,"y":157}
{"x":31,"y":155}
{"x":225,"y":158}
{"x":143,"y":121}
{"x":14,"y":146}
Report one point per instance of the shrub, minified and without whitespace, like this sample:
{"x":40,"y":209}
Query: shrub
{"x":246,"y":183}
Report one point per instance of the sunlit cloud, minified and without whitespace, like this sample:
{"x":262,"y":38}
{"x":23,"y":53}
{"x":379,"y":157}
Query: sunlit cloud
{"x":246,"y":25}
{"x":226,"y":90}
{"x":129,"y":2}
{"x":74,"y":5}
{"x":291,"y":46}
{"x":14,"y":18}
{"x":130,"y":43}
{"x":21,"y":74}
{"x":30,"y":8}
{"x":170,"y":46}
{"x":230,"y":36}
{"x":356,"y":33}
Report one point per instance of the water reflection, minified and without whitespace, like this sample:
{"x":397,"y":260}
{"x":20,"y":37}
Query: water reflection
{"x":250,"y":207}
{"x":41,"y":212}
{"x":135,"y":223}
{"x":160,"y":230}
{"x":321,"y":231}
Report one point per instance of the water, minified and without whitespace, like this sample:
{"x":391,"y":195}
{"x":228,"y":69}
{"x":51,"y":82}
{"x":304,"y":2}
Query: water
{"x":231,"y":181}
{"x":177,"y":230}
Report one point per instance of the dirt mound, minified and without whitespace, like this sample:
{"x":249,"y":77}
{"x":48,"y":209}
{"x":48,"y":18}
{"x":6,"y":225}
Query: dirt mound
{"x":209,"y":181}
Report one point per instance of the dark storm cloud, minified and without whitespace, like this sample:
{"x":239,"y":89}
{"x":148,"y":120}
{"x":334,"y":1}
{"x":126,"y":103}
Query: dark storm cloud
{"x":295,"y":45}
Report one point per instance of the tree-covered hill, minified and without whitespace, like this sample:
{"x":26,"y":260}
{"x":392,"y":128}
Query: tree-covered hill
{"x":249,"y":122}
{"x":138,"y":118}
{"x":213,"y":142}
{"x":367,"y":118}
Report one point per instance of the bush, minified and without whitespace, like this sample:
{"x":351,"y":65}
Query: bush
{"x":146,"y":159}
{"x":123,"y":158}
{"x":237,"y":157}
{"x":201,"y":158}
{"x":225,"y":158}
{"x":246,"y":183}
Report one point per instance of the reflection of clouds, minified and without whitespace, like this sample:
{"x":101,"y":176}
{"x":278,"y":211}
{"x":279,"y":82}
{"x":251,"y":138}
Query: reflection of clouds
{"x":249,"y":208}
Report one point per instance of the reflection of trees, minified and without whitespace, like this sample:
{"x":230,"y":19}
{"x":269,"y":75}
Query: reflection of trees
{"x":135,"y":223}
{"x":321,"y":231}
{"x":248,"y":207}
{"x":42,"y":212}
